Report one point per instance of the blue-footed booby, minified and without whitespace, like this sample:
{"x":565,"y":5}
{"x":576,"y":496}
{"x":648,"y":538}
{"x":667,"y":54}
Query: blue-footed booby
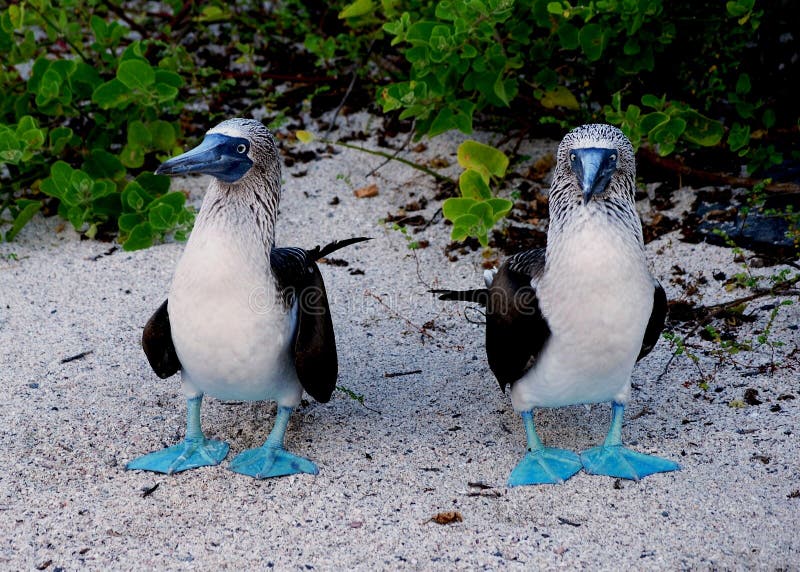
{"x":244,"y":320}
{"x":566,"y":324}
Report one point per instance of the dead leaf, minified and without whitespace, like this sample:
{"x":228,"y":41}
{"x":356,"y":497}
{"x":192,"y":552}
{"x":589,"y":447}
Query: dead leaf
{"x":366,"y":192}
{"x":448,"y":517}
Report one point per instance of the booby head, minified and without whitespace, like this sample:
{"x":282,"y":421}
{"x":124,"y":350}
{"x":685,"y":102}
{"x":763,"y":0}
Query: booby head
{"x":229,"y":152}
{"x":599,"y":159}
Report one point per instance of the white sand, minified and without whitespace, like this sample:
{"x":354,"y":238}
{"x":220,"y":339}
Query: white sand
{"x":68,"y":429}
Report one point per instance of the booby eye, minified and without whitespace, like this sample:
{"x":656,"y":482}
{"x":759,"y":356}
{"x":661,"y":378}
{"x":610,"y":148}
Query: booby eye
{"x":613,"y":157}
{"x":572,"y":157}
{"x":241,"y":148}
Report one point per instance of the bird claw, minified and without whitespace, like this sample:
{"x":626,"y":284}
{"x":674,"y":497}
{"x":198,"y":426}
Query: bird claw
{"x":623,"y":463}
{"x":189,"y":454}
{"x":545,"y":466}
{"x":271,"y":461}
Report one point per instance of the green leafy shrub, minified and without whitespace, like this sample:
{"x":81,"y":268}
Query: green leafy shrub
{"x":691,"y":65}
{"x":76,"y":123}
{"x":477,"y":210}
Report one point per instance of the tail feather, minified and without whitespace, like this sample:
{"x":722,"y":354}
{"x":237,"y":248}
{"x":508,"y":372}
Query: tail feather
{"x":479,"y":296}
{"x":320,"y":252}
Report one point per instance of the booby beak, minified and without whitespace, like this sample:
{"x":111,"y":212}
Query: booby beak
{"x":219,"y":155}
{"x":594,"y":168}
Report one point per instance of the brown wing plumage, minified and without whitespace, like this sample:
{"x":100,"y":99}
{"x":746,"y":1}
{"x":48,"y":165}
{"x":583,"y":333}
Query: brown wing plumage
{"x":516,"y":330}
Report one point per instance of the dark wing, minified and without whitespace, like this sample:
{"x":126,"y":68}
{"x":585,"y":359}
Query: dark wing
{"x":516,"y":330}
{"x":157,"y":344}
{"x":314,"y":346}
{"x":656,"y":323}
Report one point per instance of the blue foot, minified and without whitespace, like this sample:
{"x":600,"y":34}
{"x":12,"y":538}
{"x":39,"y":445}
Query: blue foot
{"x":271,"y":461}
{"x":623,"y":463}
{"x":545,"y":466}
{"x":189,"y":454}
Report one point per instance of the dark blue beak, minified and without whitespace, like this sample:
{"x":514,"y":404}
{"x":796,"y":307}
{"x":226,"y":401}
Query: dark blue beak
{"x":218,"y":155}
{"x":594,"y":168}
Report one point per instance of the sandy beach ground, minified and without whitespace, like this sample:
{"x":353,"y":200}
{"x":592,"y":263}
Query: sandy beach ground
{"x":417,"y":447}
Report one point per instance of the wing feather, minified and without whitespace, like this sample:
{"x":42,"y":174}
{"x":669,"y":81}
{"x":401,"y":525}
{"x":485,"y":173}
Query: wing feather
{"x":516,"y":330}
{"x":314,"y":347}
{"x":157,"y":344}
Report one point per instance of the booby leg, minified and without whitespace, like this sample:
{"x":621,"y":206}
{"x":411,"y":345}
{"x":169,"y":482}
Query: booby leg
{"x":271,"y":459}
{"x":542,"y":465}
{"x":195,"y":451}
{"x":614,"y":460}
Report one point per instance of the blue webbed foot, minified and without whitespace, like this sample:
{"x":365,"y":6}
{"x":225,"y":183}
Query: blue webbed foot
{"x":545,"y":466}
{"x":271,"y":461}
{"x":189,"y":454}
{"x":623,"y":463}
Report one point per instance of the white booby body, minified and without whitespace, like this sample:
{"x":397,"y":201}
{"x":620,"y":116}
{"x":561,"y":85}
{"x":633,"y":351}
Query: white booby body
{"x":597,"y":324}
{"x":231,"y":329}
{"x":244,"y":320}
{"x":566,"y":324}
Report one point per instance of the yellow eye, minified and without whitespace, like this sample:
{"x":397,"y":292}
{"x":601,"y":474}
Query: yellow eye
{"x":241,"y":148}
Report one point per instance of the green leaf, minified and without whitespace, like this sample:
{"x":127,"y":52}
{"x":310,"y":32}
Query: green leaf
{"x":484,"y":213}
{"x":132,"y":157}
{"x":10,"y":146}
{"x":473,"y":186}
{"x":16,"y":14}
{"x":164,"y":92}
{"x":702,"y":130}
{"x":650,"y":100}
{"x":152,"y":184}
{"x":768,"y":118}
{"x":560,"y":96}
{"x":482,"y":158}
{"x":58,"y":183}
{"x":134,"y":196}
{"x":653,"y":120}
{"x":667,"y":135}
{"x":169,"y":78}
{"x":175,"y":199}
{"x":592,"y":41}
{"x":99,"y":27}
{"x":499,"y":89}
{"x":356,"y":9}
{"x":103,"y":188}
{"x":453,"y":208}
{"x":568,"y":36}
{"x":127,"y":221}
{"x":76,"y":215}
{"x":464,"y":226}
{"x":141,"y":236}
{"x":136,"y":74}
{"x":101,"y":164}
{"x":161,"y":216}
{"x":442,"y":123}
{"x":27,"y":209}
{"x":163,"y":135}
{"x":500,"y":208}
{"x":743,"y":86}
{"x":139,"y":135}
{"x":59,"y":138}
{"x":81,"y":190}
{"x":304,"y":136}
{"x":213,"y":14}
{"x":111,"y":94}
{"x":738,"y":137}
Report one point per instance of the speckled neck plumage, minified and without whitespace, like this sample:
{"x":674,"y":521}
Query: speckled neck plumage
{"x":249,"y":206}
{"x":617,"y":204}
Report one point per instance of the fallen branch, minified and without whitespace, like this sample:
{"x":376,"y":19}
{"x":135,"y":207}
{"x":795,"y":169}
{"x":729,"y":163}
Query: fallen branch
{"x":671,"y":164}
